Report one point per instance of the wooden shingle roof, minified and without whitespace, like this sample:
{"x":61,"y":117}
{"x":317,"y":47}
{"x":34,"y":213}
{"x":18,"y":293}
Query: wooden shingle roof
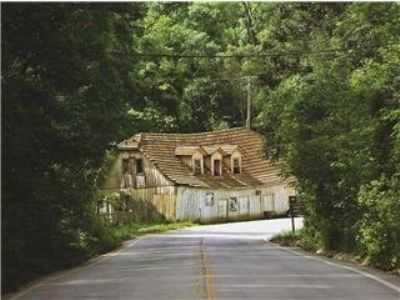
{"x":188,"y":150}
{"x":160,"y":149}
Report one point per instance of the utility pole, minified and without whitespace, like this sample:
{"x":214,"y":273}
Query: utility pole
{"x":248,"y":118}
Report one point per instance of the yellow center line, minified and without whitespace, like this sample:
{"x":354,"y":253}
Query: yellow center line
{"x":208,"y":277}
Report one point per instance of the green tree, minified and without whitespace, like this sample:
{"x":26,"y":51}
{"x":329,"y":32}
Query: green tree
{"x":335,"y":121}
{"x":64,"y":95}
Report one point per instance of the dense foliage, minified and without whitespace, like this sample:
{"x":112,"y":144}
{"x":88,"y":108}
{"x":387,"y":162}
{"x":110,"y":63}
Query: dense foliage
{"x":379,"y":227}
{"x":336,"y":125}
{"x":65,"y":97}
{"x":76,"y":78}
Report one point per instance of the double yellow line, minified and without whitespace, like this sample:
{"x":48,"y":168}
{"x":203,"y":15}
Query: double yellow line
{"x":206,"y":272}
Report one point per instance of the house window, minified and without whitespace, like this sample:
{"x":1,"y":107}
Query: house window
{"x":217,"y":167}
{"x":139,"y":166}
{"x":236,"y":166}
{"x":197,"y":166}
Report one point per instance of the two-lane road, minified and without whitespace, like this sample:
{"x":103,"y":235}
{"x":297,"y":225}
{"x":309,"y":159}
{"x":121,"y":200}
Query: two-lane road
{"x":227,"y":261}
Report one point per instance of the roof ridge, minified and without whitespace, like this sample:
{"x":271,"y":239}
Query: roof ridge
{"x":197,"y":133}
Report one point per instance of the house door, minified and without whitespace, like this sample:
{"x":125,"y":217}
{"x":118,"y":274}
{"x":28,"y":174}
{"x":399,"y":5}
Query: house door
{"x":222,"y":209}
{"x":244,"y":206}
{"x":233,"y":207}
{"x":268,"y":202}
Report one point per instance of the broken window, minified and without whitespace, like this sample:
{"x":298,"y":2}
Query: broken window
{"x":139,"y":166}
{"x":217,"y":167}
{"x":132,"y":166}
{"x":236,"y":166}
{"x":209,"y":200}
{"x":127,"y":179}
{"x":125,"y":166}
{"x":197,"y":166}
{"x":233,"y":204}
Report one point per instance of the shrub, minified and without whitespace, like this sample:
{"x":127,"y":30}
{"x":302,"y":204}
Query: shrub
{"x":287,"y":238}
{"x":379,"y":232}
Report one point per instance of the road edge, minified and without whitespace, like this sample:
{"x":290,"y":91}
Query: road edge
{"x":389,"y":280}
{"x":59,"y":274}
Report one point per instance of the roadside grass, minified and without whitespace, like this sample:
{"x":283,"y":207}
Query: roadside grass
{"x":299,"y":239}
{"x":288,"y":238}
{"x":130,"y":231}
{"x":295,"y":239}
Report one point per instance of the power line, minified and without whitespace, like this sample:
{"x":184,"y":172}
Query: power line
{"x":287,"y":53}
{"x":243,"y":77}
{"x":339,"y":52}
{"x":260,"y":55}
{"x":213,"y":78}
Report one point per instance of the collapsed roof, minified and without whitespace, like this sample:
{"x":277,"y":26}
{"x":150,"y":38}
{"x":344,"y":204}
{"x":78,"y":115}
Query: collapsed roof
{"x":164,"y":151}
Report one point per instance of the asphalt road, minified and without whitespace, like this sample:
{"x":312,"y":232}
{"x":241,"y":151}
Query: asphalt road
{"x":228,"y":261}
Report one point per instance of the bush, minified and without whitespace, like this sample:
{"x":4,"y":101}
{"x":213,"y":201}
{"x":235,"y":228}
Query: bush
{"x":101,"y":238}
{"x":287,"y":238}
{"x":379,"y":232}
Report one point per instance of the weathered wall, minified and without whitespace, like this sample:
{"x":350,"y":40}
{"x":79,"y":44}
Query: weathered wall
{"x":152,"y":177}
{"x":276,"y":198}
{"x":154,"y":196}
{"x":159,"y":197}
{"x":213,"y":205}
{"x":157,"y":192}
{"x":112,"y":180}
{"x":152,"y":202}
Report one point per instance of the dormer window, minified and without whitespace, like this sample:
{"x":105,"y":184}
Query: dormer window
{"x":197,"y":162}
{"x":236,"y":162}
{"x":216,"y":162}
{"x":236,"y":166}
{"x":217,"y":167}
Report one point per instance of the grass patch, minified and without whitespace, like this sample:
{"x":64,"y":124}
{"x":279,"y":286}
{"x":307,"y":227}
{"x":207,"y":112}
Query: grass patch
{"x":130,"y":231}
{"x":288,"y":238}
{"x":297,"y":239}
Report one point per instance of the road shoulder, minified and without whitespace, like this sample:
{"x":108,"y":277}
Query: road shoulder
{"x":66,"y":272}
{"x":389,"y":280}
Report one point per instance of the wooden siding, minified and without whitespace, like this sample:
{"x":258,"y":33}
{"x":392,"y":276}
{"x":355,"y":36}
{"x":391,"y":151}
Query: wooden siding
{"x":156,"y":190}
{"x":112,"y":181}
{"x":196,"y":204}
{"x":161,"y":199}
{"x":152,"y":177}
{"x":159,"y":196}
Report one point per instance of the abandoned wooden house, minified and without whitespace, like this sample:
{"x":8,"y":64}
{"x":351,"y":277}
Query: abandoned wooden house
{"x":205,"y":176}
